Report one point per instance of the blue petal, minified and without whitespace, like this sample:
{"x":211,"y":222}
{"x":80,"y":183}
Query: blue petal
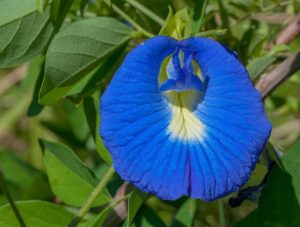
{"x":228,"y":126}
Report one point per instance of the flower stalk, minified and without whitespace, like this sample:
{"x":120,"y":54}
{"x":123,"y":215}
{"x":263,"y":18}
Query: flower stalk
{"x":88,"y":204}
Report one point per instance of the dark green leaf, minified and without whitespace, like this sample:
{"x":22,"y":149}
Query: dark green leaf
{"x":70,"y":179}
{"x":279,"y":204}
{"x":59,"y":9}
{"x":148,"y":218}
{"x":78,"y":49}
{"x":197,"y":15}
{"x":36,"y":214}
{"x":135,"y":201}
{"x":24,"y":32}
{"x":35,"y":108}
{"x":91,"y":108}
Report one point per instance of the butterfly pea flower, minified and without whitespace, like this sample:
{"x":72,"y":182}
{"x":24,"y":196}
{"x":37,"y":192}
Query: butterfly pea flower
{"x":182,"y":118}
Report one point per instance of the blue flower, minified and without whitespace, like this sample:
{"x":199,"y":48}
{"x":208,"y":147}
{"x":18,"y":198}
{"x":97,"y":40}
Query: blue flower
{"x":183,"y":118}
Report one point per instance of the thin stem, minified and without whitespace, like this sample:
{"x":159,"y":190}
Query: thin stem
{"x":146,"y":11}
{"x":221,"y":213}
{"x":87,"y":206}
{"x":128,"y":18}
{"x":11,"y":201}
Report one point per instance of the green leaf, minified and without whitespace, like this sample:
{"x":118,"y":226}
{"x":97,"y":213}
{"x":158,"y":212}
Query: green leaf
{"x":23,"y":181}
{"x":100,"y":218}
{"x":279,"y":204}
{"x":24,"y":32}
{"x":41,"y":5}
{"x":185,"y":214}
{"x":148,"y":218}
{"x":78,"y":49}
{"x":208,"y":33}
{"x":59,"y":9}
{"x":35,"y":108}
{"x":135,"y":201}
{"x":70,"y":180}
{"x":90,"y":108}
{"x":249,"y":220}
{"x":197,"y":15}
{"x":177,"y":26}
{"x":257,"y":66}
{"x":36,"y":214}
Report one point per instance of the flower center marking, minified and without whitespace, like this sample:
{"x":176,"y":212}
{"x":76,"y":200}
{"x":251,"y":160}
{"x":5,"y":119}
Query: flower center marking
{"x":183,"y":88}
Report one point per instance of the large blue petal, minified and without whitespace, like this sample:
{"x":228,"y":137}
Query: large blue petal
{"x":135,"y":116}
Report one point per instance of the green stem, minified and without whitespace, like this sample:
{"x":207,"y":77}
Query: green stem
{"x":11,"y":201}
{"x":221,"y":213}
{"x":87,"y":206}
{"x":146,"y":11}
{"x":128,"y":18}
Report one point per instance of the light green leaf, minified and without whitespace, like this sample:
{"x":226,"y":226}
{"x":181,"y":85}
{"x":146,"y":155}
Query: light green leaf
{"x":185,"y":214}
{"x":36,"y":214}
{"x":24,"y":32}
{"x":78,"y":49}
{"x":212,"y":33}
{"x":70,"y":180}
{"x":23,"y":181}
{"x":257,"y":66}
{"x":92,"y":116}
{"x":135,"y":201}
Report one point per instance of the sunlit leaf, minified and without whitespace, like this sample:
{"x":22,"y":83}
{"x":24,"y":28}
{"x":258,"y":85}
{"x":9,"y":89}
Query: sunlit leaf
{"x":36,"y":214}
{"x":70,"y":180}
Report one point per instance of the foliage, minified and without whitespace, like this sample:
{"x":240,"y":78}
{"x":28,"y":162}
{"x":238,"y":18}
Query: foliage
{"x":56,"y":59}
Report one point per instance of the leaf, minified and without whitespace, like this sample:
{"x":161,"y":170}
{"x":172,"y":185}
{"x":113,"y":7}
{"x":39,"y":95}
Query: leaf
{"x":24,"y":32}
{"x":148,"y":218}
{"x":100,"y":218}
{"x":135,"y":201}
{"x":36,"y":214}
{"x":41,"y":5}
{"x":249,"y":220}
{"x":257,"y":66}
{"x":70,"y":180}
{"x":185,"y":214}
{"x":281,"y":194}
{"x":197,"y":15}
{"x":23,"y":181}
{"x":212,"y":33}
{"x":178,"y":25}
{"x":59,"y":9}
{"x":78,"y":49}
{"x":35,"y":108}
{"x":92,"y":116}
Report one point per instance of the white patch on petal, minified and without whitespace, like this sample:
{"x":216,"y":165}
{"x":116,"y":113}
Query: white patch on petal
{"x":184,"y":124}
